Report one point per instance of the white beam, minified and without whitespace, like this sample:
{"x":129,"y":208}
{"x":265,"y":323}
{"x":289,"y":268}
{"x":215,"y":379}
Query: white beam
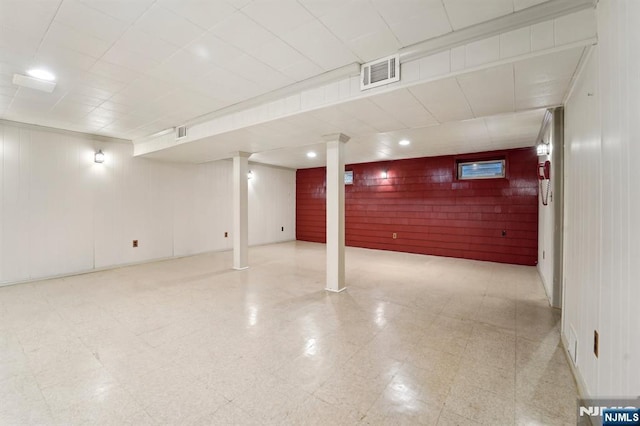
{"x":335,"y":211}
{"x":240,"y":210}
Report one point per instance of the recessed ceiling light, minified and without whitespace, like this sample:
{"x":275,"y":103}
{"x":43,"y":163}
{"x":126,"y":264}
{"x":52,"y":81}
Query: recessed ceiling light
{"x":41,"y":74}
{"x":311,"y":154}
{"x":404,"y":142}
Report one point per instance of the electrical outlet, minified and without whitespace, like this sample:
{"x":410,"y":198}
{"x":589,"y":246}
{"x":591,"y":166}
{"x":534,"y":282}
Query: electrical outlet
{"x":134,"y":243}
{"x":394,"y":235}
{"x":226,"y":235}
{"x":595,"y":343}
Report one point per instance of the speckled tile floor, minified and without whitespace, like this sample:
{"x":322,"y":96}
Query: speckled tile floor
{"x":414,"y":340}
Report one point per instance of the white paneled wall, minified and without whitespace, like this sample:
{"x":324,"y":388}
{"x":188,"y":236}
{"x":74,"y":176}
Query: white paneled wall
{"x":583,"y":220}
{"x":62,"y":213}
{"x":272,"y":193}
{"x":602,"y":230}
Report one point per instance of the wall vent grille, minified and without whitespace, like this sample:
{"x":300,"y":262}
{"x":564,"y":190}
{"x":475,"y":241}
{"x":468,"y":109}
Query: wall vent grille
{"x":380,"y":72}
{"x":181,"y":132}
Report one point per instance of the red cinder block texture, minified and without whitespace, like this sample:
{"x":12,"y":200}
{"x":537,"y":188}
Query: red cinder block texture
{"x":431,"y":211}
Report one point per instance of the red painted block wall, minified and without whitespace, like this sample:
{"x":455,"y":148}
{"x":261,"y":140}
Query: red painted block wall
{"x":430,"y":210}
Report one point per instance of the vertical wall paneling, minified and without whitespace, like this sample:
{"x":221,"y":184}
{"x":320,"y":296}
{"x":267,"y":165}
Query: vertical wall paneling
{"x":271,"y":204}
{"x":15,"y":208}
{"x":618,"y":23}
{"x":582,"y":225}
{"x":601,"y":227}
{"x":431,"y":211}
{"x":62,"y":213}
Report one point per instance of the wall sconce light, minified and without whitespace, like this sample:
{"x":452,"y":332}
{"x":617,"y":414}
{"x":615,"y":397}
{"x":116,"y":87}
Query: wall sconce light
{"x":384,"y":174}
{"x":99,"y":156}
{"x":250,"y":175}
{"x":542,"y":149}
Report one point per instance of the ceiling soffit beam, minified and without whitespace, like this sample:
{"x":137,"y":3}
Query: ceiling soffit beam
{"x":533,"y":15}
{"x":231,"y":123}
{"x":530,"y":16}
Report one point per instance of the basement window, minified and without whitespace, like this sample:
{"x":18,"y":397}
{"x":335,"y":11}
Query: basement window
{"x":491,"y":169}
{"x":348,"y":177}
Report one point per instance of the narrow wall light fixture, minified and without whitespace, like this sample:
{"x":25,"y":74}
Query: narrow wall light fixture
{"x":99,"y":156}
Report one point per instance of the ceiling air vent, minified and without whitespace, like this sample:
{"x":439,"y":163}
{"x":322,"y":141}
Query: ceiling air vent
{"x":380,"y":72}
{"x":181,"y":132}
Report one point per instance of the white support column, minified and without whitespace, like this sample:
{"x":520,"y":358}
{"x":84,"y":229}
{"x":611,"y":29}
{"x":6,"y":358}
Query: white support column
{"x":240,"y":210}
{"x":335,"y":211}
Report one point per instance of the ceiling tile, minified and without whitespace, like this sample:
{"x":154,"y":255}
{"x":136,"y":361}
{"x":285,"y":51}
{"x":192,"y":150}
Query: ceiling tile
{"x":90,"y":21}
{"x":205,"y":14}
{"x":124,"y":10}
{"x":353,"y":20}
{"x":128,"y":59}
{"x":278,"y":16}
{"x":114,"y":72}
{"x":278,"y":54}
{"x":16,"y":43}
{"x":542,"y":69}
{"x":226,"y":86}
{"x":489,"y":91}
{"x":22,"y":15}
{"x":371,"y":115}
{"x":320,"y":8}
{"x":79,"y":98}
{"x":70,"y":38}
{"x":143,"y":44}
{"x":66,"y":109}
{"x":301,"y":70}
{"x":166,"y":25}
{"x":242,"y":32}
{"x":100,"y":83}
{"x":524,"y":125}
{"x":443,"y":99}
{"x":320,"y":45}
{"x":61,"y":61}
{"x":404,"y":107}
{"x":141,"y":91}
{"x":414,"y":21}
{"x":253,"y":70}
{"x":182,"y":68}
{"x":464,"y":13}
{"x":212,"y":49}
{"x":374,"y":45}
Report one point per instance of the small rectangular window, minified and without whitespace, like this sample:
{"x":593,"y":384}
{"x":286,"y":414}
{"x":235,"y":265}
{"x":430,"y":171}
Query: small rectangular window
{"x":348,"y":177}
{"x":492,"y":169}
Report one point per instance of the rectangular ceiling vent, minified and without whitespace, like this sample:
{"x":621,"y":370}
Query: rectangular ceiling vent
{"x":181,"y":132}
{"x":380,"y":72}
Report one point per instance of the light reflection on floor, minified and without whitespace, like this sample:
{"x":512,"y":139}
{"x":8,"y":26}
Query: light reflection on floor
{"x":414,"y":340}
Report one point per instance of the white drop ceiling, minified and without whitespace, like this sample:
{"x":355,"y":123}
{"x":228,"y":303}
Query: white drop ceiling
{"x":129,"y":69}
